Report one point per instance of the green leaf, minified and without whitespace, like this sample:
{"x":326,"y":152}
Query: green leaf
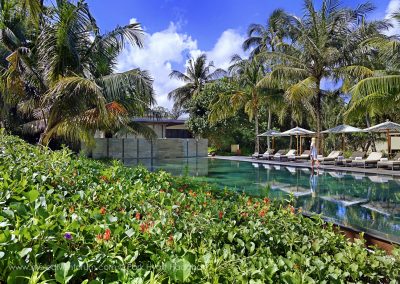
{"x":62,"y":271}
{"x":24,"y":252}
{"x":33,"y":195}
{"x":178,"y":269}
{"x":130,"y":232}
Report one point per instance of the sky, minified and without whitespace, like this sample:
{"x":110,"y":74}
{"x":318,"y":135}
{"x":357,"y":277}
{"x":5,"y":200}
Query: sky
{"x":175,"y":30}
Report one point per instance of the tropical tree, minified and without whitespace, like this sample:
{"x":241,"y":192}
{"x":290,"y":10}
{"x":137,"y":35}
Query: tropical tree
{"x":198,"y":73}
{"x":62,"y":77}
{"x":269,"y":37}
{"x":316,"y":49}
{"x":245,"y":93}
{"x":374,"y":82}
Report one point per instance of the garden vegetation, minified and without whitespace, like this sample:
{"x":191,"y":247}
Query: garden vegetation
{"x":68,"y":219}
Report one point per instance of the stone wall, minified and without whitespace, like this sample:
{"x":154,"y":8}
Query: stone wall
{"x":131,"y":148}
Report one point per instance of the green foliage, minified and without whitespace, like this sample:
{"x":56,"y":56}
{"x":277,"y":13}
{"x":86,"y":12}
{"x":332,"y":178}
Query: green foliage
{"x":67,"y":219}
{"x":57,"y":74}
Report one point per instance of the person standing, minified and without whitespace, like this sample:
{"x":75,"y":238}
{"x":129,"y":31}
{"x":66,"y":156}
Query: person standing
{"x":313,"y":153}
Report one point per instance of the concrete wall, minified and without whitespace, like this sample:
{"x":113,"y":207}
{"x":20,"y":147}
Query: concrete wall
{"x":131,"y":148}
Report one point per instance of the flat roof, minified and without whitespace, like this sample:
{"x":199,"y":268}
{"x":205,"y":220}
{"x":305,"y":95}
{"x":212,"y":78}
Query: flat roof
{"x":168,"y":121}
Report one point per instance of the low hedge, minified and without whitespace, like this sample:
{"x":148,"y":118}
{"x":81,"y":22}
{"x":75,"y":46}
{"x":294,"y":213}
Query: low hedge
{"x":68,"y":219}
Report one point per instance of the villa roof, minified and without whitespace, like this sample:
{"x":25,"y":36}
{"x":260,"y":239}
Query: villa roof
{"x":168,"y":121}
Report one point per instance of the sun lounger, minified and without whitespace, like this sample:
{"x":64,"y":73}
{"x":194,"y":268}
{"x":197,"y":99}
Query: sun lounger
{"x":331,"y":157}
{"x":267,"y":155}
{"x":343,"y":161}
{"x":304,"y":156}
{"x":278,"y":154}
{"x":256,"y":155}
{"x":389,"y":163}
{"x":371,"y":160}
{"x":281,"y":157}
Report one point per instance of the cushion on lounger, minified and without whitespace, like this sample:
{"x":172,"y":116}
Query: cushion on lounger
{"x":357,"y":158}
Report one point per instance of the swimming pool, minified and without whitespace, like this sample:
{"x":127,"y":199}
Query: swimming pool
{"x":368,"y":203}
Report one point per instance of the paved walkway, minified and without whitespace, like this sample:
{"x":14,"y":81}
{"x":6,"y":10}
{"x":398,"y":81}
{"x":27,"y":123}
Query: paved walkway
{"x":307,"y":164}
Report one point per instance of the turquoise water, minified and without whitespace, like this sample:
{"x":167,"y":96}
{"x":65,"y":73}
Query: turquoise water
{"x":367,"y":203}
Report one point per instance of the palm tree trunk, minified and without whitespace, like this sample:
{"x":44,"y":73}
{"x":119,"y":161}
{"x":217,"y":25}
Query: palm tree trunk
{"x":257,"y":145}
{"x":318,"y":110}
{"x":291,"y":137}
{"x":367,"y":120}
{"x":269,"y":127}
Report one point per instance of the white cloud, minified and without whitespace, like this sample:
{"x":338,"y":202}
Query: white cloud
{"x":170,"y":47}
{"x":229,"y":43}
{"x":393,"y":6}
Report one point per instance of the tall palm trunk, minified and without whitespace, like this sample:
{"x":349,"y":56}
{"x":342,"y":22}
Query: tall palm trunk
{"x":373,"y":146}
{"x":269,"y":127}
{"x":291,"y":137}
{"x":318,"y":114}
{"x":257,"y":145}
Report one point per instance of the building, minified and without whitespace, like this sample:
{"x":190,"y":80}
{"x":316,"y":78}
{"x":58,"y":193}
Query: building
{"x":173,"y":140}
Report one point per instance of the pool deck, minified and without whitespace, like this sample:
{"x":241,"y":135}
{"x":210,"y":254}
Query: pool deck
{"x":326,"y":167}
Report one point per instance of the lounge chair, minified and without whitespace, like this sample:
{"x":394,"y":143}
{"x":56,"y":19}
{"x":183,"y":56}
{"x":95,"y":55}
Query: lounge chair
{"x":256,"y":155}
{"x":278,"y":154}
{"x":281,"y":157}
{"x":389,"y":163}
{"x":343,"y":161}
{"x":304,"y":156}
{"x":372,"y":160}
{"x":267,"y":155}
{"x":331,"y":157}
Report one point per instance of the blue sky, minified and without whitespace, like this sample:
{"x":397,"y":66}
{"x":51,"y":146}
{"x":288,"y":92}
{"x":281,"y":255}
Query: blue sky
{"x":177,"y":29}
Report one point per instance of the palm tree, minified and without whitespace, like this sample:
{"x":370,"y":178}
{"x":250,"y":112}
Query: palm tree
{"x":245,"y":93}
{"x":268,"y":37}
{"x":71,"y":91}
{"x":374,"y":83}
{"x":316,"y":50}
{"x":198,"y":73}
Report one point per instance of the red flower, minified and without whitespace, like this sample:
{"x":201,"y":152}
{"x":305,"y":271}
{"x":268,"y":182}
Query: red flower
{"x":244,"y":214}
{"x":144,"y":227}
{"x":137,"y":216}
{"x":104,"y":178}
{"x":170,"y":240}
{"x":249,"y":202}
{"x":261,"y":213}
{"x":99,"y":236}
{"x":291,"y":208}
{"x":220,"y":214}
{"x":266,"y":200}
{"x":103,"y":210}
{"x":107,"y":235}
{"x":71,"y":209}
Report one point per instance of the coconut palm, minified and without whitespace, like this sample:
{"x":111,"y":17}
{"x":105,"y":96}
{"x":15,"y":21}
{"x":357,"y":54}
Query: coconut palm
{"x":374,"y":85}
{"x":245,"y":93}
{"x":198,"y":73}
{"x":316,"y":50}
{"x":268,"y":37}
{"x":71,"y":91}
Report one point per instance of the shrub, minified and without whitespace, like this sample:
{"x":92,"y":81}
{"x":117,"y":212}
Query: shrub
{"x":68,"y":219}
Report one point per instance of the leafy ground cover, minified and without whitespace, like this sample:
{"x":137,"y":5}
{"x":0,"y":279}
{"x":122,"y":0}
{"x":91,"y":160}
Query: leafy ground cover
{"x":67,"y":219}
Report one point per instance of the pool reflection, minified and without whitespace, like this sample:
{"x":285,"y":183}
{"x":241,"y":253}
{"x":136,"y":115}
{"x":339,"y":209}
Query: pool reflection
{"x":369,"y":203}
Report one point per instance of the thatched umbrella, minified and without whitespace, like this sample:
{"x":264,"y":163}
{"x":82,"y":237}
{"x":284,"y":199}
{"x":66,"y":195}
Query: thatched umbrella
{"x":342,"y":129}
{"x":385,"y":127}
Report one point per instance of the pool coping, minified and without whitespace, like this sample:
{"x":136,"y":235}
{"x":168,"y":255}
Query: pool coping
{"x":373,"y":170}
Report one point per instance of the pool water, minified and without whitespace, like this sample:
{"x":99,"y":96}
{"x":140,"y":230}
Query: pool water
{"x":368,"y":203}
